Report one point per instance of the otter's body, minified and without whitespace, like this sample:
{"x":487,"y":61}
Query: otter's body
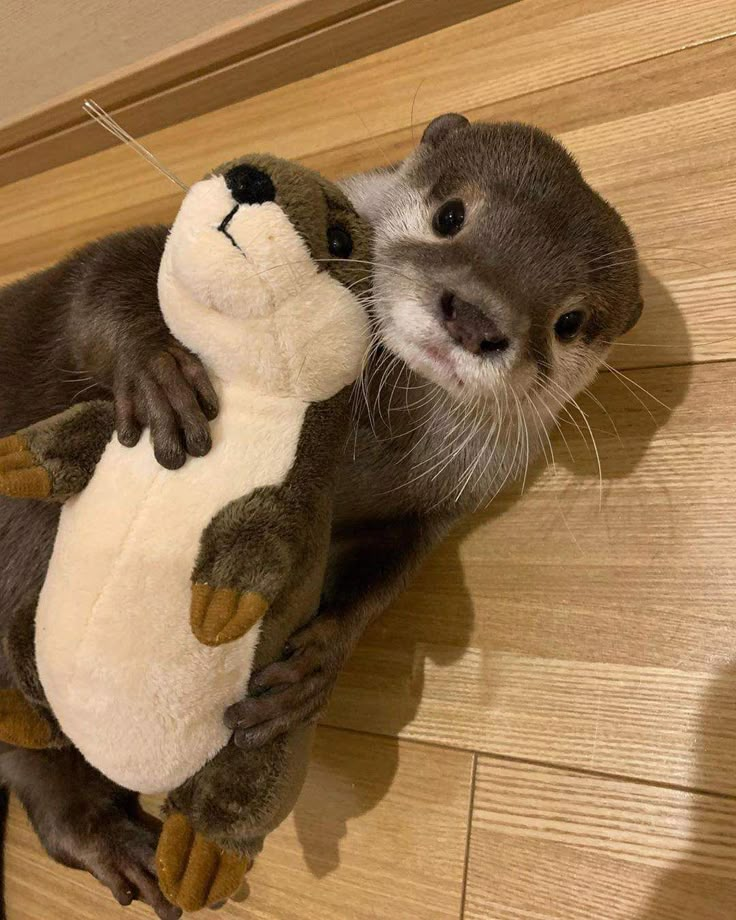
{"x":532,"y":225}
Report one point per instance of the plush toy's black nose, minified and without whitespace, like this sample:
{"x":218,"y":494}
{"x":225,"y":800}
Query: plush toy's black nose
{"x":249,"y":185}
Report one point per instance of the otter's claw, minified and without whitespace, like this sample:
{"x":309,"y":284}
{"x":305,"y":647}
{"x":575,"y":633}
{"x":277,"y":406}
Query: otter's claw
{"x":221,"y":615}
{"x":21,"y":476}
{"x":194,"y":872}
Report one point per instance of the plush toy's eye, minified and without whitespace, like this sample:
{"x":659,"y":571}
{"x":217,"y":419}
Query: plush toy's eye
{"x":568,"y":325}
{"x":339,"y":242}
{"x":449,"y":219}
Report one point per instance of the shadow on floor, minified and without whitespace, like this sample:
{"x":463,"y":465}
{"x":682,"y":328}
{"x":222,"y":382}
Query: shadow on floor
{"x":702,"y":886}
{"x":635,"y":432}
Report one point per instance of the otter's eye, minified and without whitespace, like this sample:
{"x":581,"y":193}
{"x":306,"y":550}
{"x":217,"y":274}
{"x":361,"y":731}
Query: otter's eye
{"x":449,"y":219}
{"x":339,"y":242}
{"x":569,"y":325}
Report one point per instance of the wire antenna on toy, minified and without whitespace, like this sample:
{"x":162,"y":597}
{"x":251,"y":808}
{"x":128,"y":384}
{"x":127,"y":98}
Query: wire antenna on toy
{"x":99,"y":115}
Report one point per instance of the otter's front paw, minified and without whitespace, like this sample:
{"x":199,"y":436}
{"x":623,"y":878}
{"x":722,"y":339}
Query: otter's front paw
{"x":193,"y":872}
{"x":21,"y":473}
{"x":221,"y":615}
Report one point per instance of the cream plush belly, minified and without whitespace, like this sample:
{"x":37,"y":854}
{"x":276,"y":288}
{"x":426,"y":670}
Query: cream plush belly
{"x":131,"y":686}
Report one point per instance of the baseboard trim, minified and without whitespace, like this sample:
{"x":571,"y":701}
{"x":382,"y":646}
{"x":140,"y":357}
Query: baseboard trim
{"x":287,"y":41}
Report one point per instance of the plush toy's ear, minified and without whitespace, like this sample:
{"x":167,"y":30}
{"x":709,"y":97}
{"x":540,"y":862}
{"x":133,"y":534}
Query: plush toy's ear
{"x":438,"y":129}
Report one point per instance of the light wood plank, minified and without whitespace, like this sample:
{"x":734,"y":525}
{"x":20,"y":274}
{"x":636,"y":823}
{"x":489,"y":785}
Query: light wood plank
{"x":284,"y":43}
{"x":554,"y":845}
{"x":284,"y":119}
{"x":379,"y":831}
{"x":551,"y":630}
{"x":673,"y":178}
{"x":262,"y":25}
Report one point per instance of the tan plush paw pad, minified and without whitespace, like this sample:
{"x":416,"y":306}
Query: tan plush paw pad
{"x":193,"y":872}
{"x":20,"y":724}
{"x":20,"y":475}
{"x":221,"y":615}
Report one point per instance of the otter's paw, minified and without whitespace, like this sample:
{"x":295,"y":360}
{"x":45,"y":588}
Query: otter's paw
{"x":193,"y":872}
{"x":221,"y":615}
{"x":21,"y":725}
{"x":21,"y":475}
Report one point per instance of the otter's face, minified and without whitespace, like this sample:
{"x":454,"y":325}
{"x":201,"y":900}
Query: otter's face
{"x":270,"y":254}
{"x":499,"y":268}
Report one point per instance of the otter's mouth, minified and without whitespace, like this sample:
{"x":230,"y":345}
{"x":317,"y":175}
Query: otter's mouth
{"x":225,"y":223}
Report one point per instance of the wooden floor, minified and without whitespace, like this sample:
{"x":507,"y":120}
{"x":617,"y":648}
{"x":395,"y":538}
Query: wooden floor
{"x":544,"y":727}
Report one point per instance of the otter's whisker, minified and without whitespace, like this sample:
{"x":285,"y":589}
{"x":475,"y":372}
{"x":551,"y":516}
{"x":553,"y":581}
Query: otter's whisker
{"x":473,"y":432}
{"x":637,"y":385}
{"x":525,"y":440}
{"x":561,"y":402}
{"x":413,"y":104}
{"x":551,"y":461}
{"x":600,"y":405}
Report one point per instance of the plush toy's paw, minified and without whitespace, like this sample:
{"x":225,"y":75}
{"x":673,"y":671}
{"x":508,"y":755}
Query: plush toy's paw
{"x":21,"y":475}
{"x":221,"y":615}
{"x":21,"y":725}
{"x":193,"y":872}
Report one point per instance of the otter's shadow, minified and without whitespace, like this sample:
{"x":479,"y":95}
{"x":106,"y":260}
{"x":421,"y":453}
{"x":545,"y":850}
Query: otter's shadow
{"x":394,"y":655}
{"x":625,"y":410}
{"x":702,"y":884}
{"x":396,"y":651}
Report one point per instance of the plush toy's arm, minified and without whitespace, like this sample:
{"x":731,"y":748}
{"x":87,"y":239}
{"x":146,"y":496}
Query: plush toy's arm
{"x":25,"y":718}
{"x":269,"y":548}
{"x":258,"y":546}
{"x":55,"y":459}
{"x":217,"y":821}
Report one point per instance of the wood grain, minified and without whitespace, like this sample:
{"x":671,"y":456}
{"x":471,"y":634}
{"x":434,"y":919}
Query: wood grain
{"x":555,"y":845}
{"x":281,"y":43}
{"x":379,"y":831}
{"x":268,"y":25}
{"x":49,"y":55}
{"x":682,"y":216}
{"x":556,"y":628}
{"x":580,"y":636}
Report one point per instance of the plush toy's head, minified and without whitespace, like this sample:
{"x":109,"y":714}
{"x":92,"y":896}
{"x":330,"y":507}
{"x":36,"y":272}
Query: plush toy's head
{"x":262,"y":275}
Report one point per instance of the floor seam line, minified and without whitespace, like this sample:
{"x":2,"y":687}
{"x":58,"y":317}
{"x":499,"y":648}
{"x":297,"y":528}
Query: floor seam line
{"x":468,"y":834}
{"x":529,"y":761}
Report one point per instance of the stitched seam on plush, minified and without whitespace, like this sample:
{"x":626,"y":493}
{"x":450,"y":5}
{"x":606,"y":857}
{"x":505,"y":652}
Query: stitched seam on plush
{"x":119,"y":561}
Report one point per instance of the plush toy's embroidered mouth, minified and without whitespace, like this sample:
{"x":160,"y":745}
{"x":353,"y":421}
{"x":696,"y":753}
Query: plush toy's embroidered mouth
{"x":225,"y":223}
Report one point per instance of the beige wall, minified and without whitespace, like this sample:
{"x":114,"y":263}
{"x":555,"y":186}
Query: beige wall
{"x":50,"y":47}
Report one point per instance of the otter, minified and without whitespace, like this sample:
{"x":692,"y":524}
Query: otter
{"x":493,"y":291}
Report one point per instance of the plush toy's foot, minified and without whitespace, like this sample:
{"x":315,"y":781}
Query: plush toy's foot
{"x":21,"y":725}
{"x":221,"y":615}
{"x":193,"y":872}
{"x":21,"y":475}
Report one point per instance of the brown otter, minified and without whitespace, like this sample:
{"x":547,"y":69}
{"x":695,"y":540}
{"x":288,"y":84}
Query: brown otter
{"x":495,"y":291}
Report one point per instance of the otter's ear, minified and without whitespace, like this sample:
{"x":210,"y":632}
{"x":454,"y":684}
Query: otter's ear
{"x":634,"y":317}
{"x":438,"y":129}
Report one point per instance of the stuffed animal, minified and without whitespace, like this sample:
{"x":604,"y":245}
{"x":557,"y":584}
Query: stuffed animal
{"x":166,"y":589}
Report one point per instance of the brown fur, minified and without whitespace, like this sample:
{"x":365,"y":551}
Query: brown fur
{"x":256,"y":558}
{"x":111,"y":329}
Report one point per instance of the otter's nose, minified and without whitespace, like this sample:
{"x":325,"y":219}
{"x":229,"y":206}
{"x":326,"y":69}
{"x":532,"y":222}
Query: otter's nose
{"x":470,"y":326}
{"x":249,"y":185}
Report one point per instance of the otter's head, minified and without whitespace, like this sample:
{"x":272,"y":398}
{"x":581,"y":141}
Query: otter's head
{"x":262,"y":275}
{"x":498,"y":266}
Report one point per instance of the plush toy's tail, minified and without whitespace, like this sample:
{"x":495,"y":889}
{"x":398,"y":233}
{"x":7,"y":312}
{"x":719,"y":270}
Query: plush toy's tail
{"x":4,"y":798}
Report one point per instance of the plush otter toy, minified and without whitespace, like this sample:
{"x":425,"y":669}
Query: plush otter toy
{"x":166,"y":589}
